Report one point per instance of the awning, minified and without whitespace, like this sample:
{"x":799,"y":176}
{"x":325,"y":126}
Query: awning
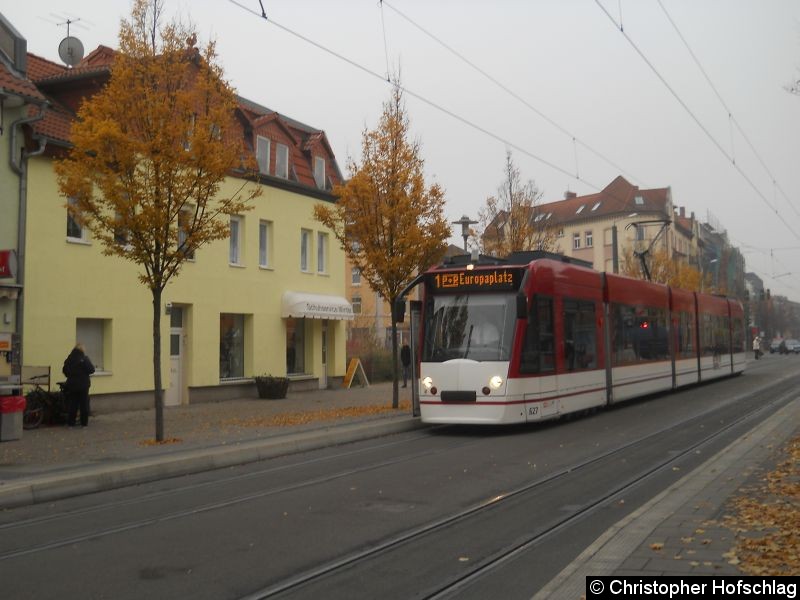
{"x":316,"y":306}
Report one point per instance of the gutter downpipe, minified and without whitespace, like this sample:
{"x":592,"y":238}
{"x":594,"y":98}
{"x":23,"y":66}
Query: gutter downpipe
{"x":21,"y":169}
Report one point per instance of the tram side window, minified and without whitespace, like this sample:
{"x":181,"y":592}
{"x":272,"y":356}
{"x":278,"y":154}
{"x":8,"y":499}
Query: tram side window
{"x":685,"y":335}
{"x":580,"y":335}
{"x":738,"y":335}
{"x":538,"y":348}
{"x":639,"y":334}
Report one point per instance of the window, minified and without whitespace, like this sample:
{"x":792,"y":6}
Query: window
{"x":686,"y":335}
{"x":121,"y":234}
{"x":322,"y":252}
{"x":282,"y":161}
{"x":74,"y":229}
{"x":538,"y":347}
{"x":639,"y":232}
{"x":580,"y":209}
{"x":184,"y":225}
{"x":576,"y":241}
{"x":264,"y":241}
{"x":235,"y":252}
{"x":91,"y":333}
{"x":596,"y":206}
{"x":305,"y":249}
{"x":588,"y":239}
{"x":580,"y":335}
{"x":356,"y":305}
{"x":295,"y":346}
{"x":560,"y":233}
{"x":639,"y":200}
{"x":262,"y":154}
{"x":319,"y":172}
{"x":231,"y":346}
{"x":355,"y":275}
{"x":638,"y":334}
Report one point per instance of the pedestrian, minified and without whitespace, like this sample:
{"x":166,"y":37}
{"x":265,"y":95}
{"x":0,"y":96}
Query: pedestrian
{"x":405,"y":359}
{"x":757,"y":347}
{"x":77,"y":368}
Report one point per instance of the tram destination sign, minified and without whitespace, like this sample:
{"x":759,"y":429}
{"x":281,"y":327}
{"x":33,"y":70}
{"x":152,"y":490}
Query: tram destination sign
{"x":484,"y":280}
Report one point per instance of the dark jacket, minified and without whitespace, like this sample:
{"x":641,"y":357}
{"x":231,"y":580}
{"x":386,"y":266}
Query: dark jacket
{"x":405,"y":355}
{"x":77,"y":368}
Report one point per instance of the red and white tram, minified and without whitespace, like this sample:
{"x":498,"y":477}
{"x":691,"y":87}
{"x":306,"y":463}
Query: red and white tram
{"x":529,"y":338}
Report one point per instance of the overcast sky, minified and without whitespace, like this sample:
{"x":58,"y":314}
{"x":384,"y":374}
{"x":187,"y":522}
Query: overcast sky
{"x":564,"y":59}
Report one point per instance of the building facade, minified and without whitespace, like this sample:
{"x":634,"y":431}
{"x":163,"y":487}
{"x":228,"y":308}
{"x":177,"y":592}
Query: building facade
{"x":268,"y":300}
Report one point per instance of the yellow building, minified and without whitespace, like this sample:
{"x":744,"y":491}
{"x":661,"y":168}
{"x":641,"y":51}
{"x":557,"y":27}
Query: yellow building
{"x":268,"y":300}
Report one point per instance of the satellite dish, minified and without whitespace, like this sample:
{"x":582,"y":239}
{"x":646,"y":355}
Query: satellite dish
{"x":70,"y":50}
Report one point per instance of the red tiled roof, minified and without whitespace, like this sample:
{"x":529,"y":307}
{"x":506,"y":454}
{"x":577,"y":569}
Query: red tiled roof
{"x":18,"y":86}
{"x":39,"y":68}
{"x":56,"y":124}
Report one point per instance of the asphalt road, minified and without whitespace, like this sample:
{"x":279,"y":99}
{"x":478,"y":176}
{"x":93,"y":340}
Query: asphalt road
{"x":412,"y":515}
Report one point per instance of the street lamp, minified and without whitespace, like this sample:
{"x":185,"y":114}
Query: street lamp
{"x":465,"y":222}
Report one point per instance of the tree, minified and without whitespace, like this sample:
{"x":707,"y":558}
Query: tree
{"x":388,"y":222}
{"x":512,"y":220}
{"x":666,"y":270}
{"x":149,"y":153}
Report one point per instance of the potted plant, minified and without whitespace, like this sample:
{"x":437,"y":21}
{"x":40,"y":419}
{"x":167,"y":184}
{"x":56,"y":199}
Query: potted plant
{"x":271,"y":387}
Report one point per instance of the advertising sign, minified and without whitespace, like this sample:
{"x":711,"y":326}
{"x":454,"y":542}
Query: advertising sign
{"x":8,"y":264}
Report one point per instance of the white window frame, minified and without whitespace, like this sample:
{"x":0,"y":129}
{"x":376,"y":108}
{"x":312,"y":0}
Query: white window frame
{"x":282,"y":161}
{"x":576,"y":241}
{"x":305,"y":250}
{"x":322,"y":252}
{"x":356,"y":302}
{"x":263,"y":148}
{"x":92,"y":334}
{"x":235,"y":247}
{"x":588,"y":239}
{"x":355,"y":276}
{"x":83,"y":237}
{"x":264,"y":244}
{"x":319,"y":172}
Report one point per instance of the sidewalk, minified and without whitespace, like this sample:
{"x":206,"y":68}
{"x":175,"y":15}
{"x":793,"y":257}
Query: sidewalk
{"x":118,"y":449}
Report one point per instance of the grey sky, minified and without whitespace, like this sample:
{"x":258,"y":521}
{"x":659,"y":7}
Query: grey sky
{"x":563,"y":57}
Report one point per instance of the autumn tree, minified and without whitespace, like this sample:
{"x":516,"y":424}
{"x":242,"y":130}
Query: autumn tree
{"x":149,"y":153}
{"x":512,"y":220}
{"x":389,"y":223}
{"x":665,"y":269}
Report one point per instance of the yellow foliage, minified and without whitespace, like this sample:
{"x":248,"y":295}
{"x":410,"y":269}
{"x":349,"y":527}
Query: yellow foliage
{"x":666,"y":270}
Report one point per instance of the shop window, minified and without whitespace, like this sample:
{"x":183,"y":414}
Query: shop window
{"x":295,"y":346}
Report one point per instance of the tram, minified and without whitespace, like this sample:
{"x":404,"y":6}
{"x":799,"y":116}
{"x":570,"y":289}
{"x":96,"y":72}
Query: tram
{"x":537,"y":335}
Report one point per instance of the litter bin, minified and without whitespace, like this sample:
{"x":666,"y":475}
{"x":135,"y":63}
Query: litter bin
{"x":11,"y":409}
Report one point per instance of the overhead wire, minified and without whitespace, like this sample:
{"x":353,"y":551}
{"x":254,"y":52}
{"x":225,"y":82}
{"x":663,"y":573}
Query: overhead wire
{"x":420,"y":97}
{"x":731,"y":118}
{"x":510,"y":92}
{"x":696,"y":119}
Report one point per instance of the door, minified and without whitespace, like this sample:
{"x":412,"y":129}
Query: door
{"x":176,"y":341}
{"x":323,"y":375}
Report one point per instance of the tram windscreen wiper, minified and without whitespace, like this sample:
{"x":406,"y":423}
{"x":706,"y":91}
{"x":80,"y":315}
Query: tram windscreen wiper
{"x":469,"y":340}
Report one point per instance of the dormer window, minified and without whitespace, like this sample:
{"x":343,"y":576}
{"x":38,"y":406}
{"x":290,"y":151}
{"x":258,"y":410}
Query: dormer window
{"x":638,"y":200}
{"x":262,"y":154}
{"x":580,"y":209}
{"x":319,"y":172}
{"x":596,"y":206}
{"x":282,"y":161}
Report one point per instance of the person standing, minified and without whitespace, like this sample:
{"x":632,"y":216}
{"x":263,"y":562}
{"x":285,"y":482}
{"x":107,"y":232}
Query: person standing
{"x":757,"y":347}
{"x":77,"y":367}
{"x":405,"y":359}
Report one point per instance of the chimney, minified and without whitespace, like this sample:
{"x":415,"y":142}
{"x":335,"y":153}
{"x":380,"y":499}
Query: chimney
{"x":683,"y":211}
{"x":569,"y":195}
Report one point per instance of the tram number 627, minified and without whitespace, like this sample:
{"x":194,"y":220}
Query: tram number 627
{"x":533,"y":410}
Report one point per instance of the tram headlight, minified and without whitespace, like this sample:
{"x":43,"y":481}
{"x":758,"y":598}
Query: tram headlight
{"x":427,"y":382}
{"x":496,"y":382}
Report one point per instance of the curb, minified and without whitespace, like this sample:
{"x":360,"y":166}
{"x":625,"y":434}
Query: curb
{"x":87,"y":480}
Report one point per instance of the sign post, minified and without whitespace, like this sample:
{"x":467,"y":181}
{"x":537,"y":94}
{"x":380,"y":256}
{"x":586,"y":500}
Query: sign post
{"x":353,"y":369}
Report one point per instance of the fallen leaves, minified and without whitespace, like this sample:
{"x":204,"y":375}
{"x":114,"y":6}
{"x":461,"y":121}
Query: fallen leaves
{"x":303,"y":418}
{"x":767,"y":521}
{"x":161,"y":443}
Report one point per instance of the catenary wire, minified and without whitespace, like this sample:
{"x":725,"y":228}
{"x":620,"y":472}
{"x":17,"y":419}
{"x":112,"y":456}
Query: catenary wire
{"x":420,"y":97}
{"x":696,"y":120}
{"x":731,"y":118}
{"x":512,"y":93}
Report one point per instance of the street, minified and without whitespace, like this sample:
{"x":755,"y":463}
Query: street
{"x":449,"y":511}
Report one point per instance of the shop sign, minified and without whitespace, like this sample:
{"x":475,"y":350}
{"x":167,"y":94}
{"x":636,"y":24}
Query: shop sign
{"x":8,"y":264}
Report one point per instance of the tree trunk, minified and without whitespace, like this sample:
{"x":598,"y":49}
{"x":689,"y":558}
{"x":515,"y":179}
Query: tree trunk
{"x":395,"y":388}
{"x":158,"y":392}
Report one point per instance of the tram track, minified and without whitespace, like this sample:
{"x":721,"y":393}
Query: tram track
{"x":304,"y":582}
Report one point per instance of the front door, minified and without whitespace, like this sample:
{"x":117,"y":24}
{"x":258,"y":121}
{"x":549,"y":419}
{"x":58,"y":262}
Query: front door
{"x":323,"y":376}
{"x":173,"y":395}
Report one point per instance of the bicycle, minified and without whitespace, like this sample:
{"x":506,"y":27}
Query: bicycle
{"x":42,"y":405}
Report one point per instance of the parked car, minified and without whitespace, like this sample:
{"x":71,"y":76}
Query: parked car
{"x":775,"y":346}
{"x":793,"y":346}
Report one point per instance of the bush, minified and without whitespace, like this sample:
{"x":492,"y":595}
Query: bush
{"x":270,"y":387}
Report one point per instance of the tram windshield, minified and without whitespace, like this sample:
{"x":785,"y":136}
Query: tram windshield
{"x":476,"y":326}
